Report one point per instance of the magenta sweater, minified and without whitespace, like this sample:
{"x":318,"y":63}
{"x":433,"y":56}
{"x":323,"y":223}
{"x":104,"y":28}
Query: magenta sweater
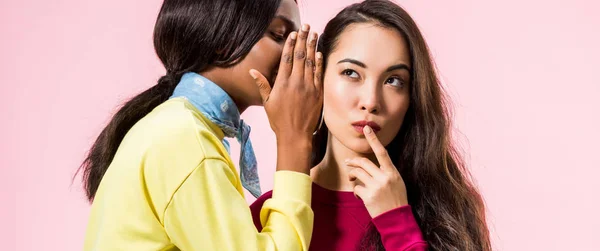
{"x":342,"y":220}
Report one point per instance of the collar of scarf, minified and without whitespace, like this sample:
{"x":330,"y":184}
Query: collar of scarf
{"x":216,"y":105}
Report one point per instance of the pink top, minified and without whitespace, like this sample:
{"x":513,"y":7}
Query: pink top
{"x":341,"y":221}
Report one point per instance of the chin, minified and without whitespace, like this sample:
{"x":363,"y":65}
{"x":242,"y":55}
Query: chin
{"x":359,"y":145}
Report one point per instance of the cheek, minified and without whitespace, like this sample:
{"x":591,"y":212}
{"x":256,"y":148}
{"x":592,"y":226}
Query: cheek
{"x":399,"y":106}
{"x":266,"y":55}
{"x":263,"y":57}
{"x":397,"y":110}
{"x":337,"y":99}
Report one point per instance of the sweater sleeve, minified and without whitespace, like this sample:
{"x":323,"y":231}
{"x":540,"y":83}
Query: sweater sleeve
{"x":207,"y":212}
{"x":399,"y":230}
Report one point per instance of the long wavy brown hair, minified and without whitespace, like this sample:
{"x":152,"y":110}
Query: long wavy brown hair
{"x":447,"y":205}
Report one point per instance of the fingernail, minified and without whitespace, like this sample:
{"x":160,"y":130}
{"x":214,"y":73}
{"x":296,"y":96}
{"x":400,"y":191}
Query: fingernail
{"x":313,"y":37}
{"x":293,"y":35}
{"x":253,"y":74}
{"x":319,"y":55}
{"x":367,"y":129}
{"x":305,"y":27}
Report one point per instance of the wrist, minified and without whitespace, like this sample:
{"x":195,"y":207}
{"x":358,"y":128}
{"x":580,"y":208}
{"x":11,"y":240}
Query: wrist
{"x":294,"y":154}
{"x":378,"y":208}
{"x":297,"y":139}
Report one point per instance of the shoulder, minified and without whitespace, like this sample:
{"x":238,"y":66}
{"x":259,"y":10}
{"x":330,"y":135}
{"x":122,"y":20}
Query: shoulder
{"x":176,"y":129}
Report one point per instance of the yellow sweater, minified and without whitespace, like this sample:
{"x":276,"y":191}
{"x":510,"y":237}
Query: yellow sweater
{"x":173,"y":186}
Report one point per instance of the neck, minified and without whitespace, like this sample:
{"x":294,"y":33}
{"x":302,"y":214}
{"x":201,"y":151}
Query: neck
{"x":222,"y":78}
{"x":332,"y":173}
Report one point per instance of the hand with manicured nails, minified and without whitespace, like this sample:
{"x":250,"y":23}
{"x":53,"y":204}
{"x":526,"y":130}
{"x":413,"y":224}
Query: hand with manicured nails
{"x":294,"y":103}
{"x":382,"y":187}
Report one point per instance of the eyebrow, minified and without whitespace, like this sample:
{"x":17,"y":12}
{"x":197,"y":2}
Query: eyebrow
{"x":363,"y":65}
{"x":353,"y":61}
{"x":288,"y":22}
{"x":398,"y":67}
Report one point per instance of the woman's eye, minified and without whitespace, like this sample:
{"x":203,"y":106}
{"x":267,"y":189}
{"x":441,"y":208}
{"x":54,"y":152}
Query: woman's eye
{"x":278,"y":36}
{"x":350,"y":73}
{"x":395,"y":81}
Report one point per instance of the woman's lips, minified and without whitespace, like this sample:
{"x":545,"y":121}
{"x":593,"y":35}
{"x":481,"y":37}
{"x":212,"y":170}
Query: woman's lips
{"x":359,"y":125}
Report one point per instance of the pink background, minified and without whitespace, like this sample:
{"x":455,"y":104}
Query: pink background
{"x":523,"y":76}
